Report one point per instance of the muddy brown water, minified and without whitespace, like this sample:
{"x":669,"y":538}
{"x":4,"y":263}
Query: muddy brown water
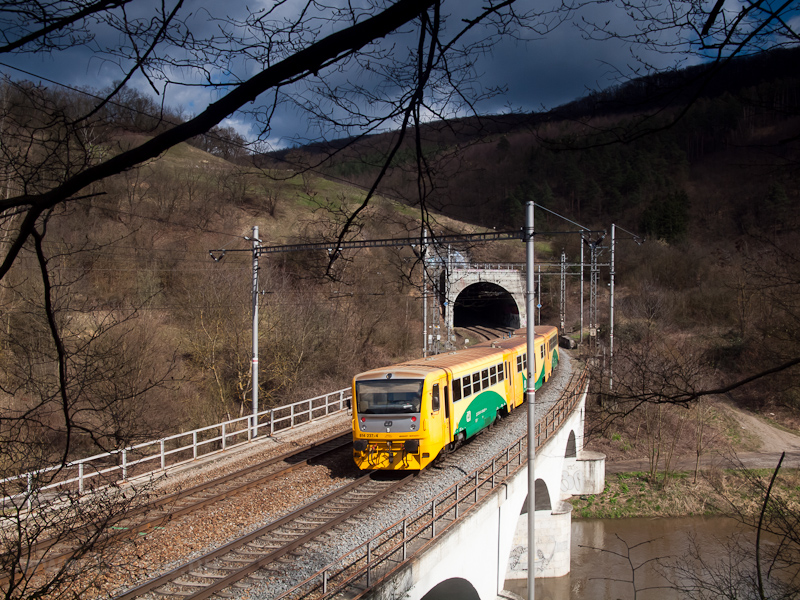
{"x":616,"y":558}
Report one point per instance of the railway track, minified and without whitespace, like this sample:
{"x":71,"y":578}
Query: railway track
{"x":162,"y":510}
{"x":250,"y":559}
{"x":482,"y":333}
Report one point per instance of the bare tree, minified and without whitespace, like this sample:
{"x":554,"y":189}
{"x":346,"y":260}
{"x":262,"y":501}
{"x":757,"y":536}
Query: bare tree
{"x":60,"y":148}
{"x":760,"y":562}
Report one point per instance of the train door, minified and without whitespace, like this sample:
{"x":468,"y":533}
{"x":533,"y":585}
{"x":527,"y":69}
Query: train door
{"x":538,"y":368}
{"x":440,"y":414}
{"x":519,"y":366}
{"x":512,"y":387}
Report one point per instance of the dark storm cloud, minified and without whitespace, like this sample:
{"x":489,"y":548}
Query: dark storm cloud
{"x":538,"y":74}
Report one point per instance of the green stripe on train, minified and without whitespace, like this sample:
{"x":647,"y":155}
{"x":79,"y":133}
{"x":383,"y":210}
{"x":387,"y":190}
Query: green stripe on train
{"x":481,"y":412}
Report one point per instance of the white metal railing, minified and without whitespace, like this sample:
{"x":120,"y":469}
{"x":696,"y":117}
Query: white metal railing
{"x":157,"y":455}
{"x":387,"y":551}
{"x":467,"y":266}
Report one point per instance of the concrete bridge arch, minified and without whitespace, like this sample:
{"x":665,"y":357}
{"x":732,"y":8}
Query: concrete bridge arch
{"x":472,"y":558}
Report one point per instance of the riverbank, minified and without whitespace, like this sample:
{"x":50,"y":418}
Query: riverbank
{"x":714,"y":492}
{"x":740,"y":453}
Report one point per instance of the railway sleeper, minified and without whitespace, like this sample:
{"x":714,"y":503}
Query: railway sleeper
{"x":194,"y":584}
{"x":255,"y":553}
{"x":174,"y":593}
{"x":206,"y":575}
{"x":234,"y":559}
{"x":297,"y":532}
{"x":314,"y":522}
{"x":270,"y":546}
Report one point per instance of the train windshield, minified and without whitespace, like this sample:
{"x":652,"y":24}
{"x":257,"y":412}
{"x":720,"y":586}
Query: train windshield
{"x":389,"y":396}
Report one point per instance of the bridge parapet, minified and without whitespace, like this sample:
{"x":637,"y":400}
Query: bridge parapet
{"x":451,"y":533}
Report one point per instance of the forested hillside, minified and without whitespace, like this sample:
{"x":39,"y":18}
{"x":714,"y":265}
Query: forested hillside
{"x":154,"y":335}
{"x":708,"y":172}
{"x":606,"y":157}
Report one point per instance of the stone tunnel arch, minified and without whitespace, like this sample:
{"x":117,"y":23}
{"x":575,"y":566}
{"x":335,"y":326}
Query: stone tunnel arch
{"x":485,"y":304}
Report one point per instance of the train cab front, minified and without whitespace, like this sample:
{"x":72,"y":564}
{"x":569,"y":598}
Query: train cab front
{"x":388,"y":432}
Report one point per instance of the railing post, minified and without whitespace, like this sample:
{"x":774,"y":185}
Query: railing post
{"x":291,"y":415}
{"x":124,"y":465}
{"x":163,"y":456}
{"x":272,"y":422}
{"x":223,"y":436}
{"x":325,"y":582}
{"x":80,"y":478}
{"x":194,"y":445}
{"x":30,"y":491}
{"x":405,"y":537}
{"x":369,"y":562}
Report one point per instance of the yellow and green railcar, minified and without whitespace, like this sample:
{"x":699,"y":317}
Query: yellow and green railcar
{"x":406,"y":415}
{"x":547,"y":345}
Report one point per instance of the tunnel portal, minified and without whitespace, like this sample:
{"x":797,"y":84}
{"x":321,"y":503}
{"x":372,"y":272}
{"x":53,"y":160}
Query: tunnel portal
{"x":485,"y":304}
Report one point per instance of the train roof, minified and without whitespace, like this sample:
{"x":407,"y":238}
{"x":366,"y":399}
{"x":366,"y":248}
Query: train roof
{"x":538,"y":330}
{"x":420,"y":367}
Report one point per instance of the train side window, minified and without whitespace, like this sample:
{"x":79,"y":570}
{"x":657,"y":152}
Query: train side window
{"x":435,"y":398}
{"x":456,"y":390}
{"x":542,"y":351}
{"x":525,"y":361}
{"x":446,"y":403}
{"x":493,"y":374}
{"x":467,"y":386}
{"x":500,"y":369}
{"x":485,"y":378}
{"x":519,"y":364}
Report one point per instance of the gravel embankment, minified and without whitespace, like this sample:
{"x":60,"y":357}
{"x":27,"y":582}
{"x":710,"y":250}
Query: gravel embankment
{"x":196,"y":534}
{"x":430,"y":483}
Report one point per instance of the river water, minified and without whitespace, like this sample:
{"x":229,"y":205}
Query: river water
{"x":629,"y":558}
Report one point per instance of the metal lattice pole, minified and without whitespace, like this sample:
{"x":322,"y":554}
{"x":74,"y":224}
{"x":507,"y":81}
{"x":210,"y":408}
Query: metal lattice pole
{"x":582,"y":307}
{"x":423,"y":255}
{"x":594,"y":275}
{"x":256,"y":243}
{"x":563,"y":310}
{"x":530,"y":393}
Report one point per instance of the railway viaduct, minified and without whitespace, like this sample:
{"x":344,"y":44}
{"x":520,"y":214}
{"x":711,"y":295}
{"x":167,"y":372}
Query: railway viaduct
{"x":474,"y":556}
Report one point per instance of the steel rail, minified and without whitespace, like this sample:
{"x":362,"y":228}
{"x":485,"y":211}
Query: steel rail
{"x":272,"y":555}
{"x":115,"y":533}
{"x":360,"y":570}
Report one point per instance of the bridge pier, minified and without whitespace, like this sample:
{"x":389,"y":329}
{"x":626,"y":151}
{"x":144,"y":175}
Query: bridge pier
{"x":473,"y":558}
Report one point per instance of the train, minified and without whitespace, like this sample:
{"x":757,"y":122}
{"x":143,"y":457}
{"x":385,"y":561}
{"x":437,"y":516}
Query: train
{"x":407,"y":415}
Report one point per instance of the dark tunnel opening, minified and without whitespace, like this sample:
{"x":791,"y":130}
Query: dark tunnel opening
{"x":485,"y":304}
